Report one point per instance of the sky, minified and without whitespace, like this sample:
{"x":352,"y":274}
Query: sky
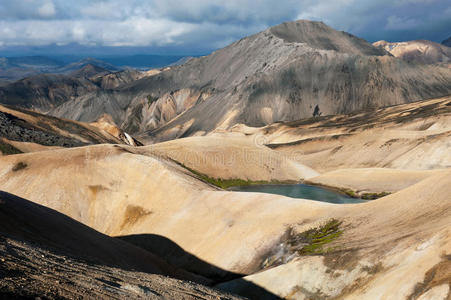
{"x":200,"y":26}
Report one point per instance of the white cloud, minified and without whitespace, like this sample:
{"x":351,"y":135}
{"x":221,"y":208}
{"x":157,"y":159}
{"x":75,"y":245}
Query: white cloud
{"x":207,"y":23}
{"x":47,"y":9}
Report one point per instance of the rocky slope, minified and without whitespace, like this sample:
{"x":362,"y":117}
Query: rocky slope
{"x":420,"y":51}
{"x":288,"y":72}
{"x":22,"y":128}
{"x":447,"y":42}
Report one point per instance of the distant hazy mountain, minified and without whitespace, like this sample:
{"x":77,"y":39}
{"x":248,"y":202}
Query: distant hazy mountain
{"x":447,"y":42}
{"x":15,"y":68}
{"x":291,"y":71}
{"x":44,"y":92}
{"x":420,"y":51}
{"x":86,"y":62}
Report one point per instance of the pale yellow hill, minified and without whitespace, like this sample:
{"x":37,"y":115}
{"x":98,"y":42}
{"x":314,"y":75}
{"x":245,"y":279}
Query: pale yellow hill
{"x":232,"y":157}
{"x":373,"y":180}
{"x":122,"y":193}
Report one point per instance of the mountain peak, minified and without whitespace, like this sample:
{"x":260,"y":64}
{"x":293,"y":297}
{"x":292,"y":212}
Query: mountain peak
{"x":89,"y":70}
{"x":320,"y":36}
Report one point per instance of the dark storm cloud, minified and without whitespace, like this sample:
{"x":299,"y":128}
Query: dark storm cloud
{"x":209,"y":24}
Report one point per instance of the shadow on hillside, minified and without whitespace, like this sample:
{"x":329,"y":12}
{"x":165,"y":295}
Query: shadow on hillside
{"x":177,"y":256}
{"x":40,"y":227}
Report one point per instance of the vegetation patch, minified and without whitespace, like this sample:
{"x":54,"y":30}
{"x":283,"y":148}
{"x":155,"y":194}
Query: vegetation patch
{"x":364,"y":196}
{"x":314,"y":240}
{"x":349,"y":192}
{"x":311,"y":242}
{"x":19,"y":166}
{"x":373,"y":196}
{"x":227,"y":183}
{"x":7,"y":149}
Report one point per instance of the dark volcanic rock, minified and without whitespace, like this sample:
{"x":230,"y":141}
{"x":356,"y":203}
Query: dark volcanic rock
{"x":16,"y":129}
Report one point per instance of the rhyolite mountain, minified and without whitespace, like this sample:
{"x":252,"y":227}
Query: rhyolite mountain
{"x":288,"y":72}
{"x":420,"y":51}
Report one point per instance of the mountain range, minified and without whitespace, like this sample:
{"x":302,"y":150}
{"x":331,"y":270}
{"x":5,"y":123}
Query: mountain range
{"x":18,"y":67}
{"x":291,"y":71}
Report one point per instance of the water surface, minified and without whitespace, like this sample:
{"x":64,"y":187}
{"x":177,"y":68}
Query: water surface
{"x":303,"y":191}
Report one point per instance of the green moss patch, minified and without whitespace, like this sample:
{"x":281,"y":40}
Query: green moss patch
{"x":364,"y":196}
{"x":373,"y":196}
{"x":226,"y":183}
{"x":315,"y":240}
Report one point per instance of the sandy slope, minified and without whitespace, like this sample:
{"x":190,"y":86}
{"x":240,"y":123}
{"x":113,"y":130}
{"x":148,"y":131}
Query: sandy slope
{"x":414,"y":136}
{"x":376,"y":180}
{"x":231,"y":157}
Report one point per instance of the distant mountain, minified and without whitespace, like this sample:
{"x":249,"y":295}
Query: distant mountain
{"x":420,"y":51}
{"x":86,"y":62}
{"x":44,"y":92}
{"x":447,"y":42}
{"x":89,"y":71}
{"x":15,"y":68}
{"x":291,"y":71}
{"x":117,"y":79}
